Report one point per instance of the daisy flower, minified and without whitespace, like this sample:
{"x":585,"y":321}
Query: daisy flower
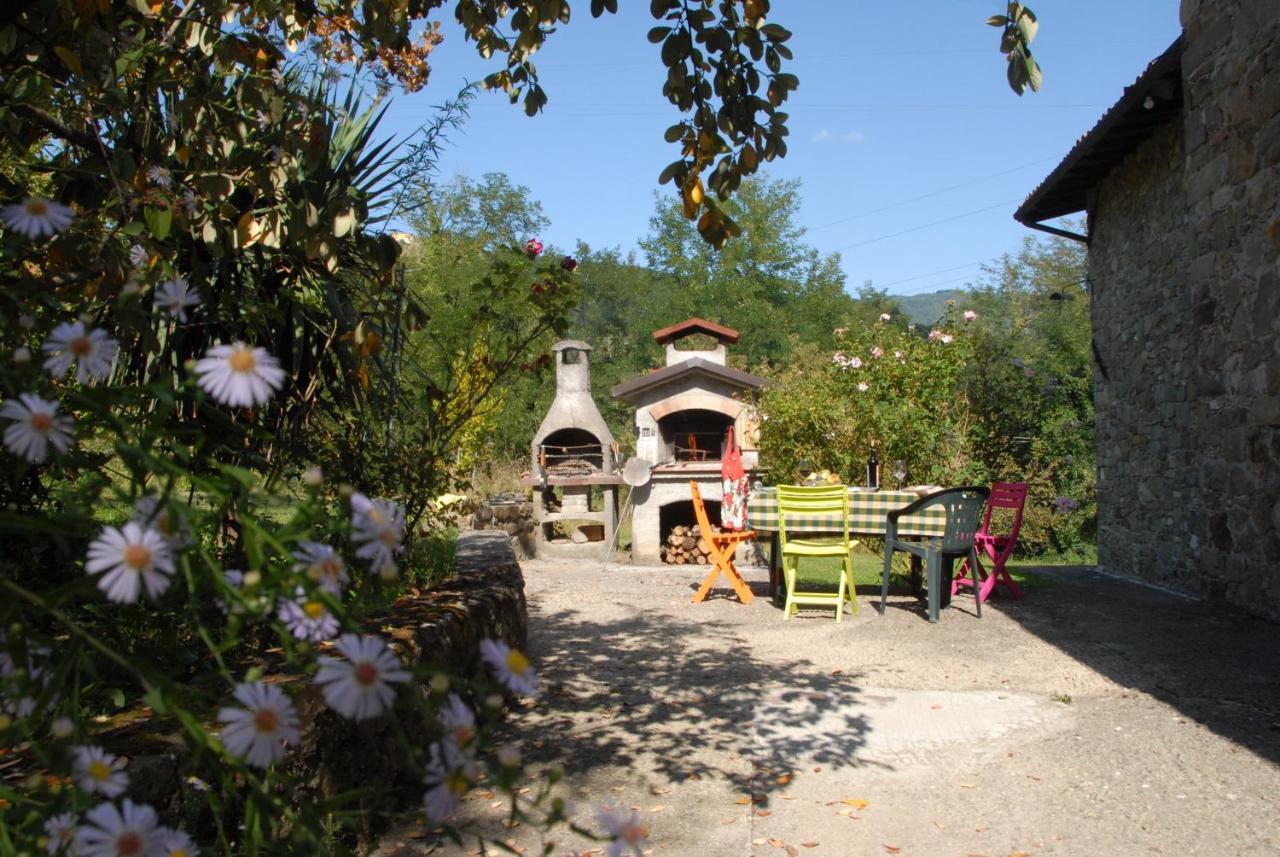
{"x":175,"y":296}
{"x":307,"y":618}
{"x":96,"y":770}
{"x":258,"y":732}
{"x":132,"y":557}
{"x":61,"y":831}
{"x":377,"y":527}
{"x":36,"y":217}
{"x":451,"y":771}
{"x":625,"y":828}
{"x":36,"y":427}
{"x":159,"y":177}
{"x":92,"y":350}
{"x":323,"y":566}
{"x":358,"y":687}
{"x":174,"y":843}
{"x":863,"y":387}
{"x":190,"y":204}
{"x":458,"y":720}
{"x":511,"y":667}
{"x":129,"y":831}
{"x":151,"y":512}
{"x":138,"y":256}
{"x":239,"y":376}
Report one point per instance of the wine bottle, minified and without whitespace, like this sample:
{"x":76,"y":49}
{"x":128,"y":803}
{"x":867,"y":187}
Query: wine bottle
{"x":873,"y":469}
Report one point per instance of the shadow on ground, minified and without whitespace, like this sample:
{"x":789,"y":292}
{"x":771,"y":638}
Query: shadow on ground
{"x":686,"y":703}
{"x":1214,"y":664}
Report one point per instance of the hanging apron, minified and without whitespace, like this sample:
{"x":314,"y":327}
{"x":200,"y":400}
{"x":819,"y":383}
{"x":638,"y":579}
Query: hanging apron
{"x":733,"y":505}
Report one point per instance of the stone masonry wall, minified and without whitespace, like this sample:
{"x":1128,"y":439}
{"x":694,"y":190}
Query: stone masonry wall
{"x":1231,"y":74}
{"x":1185,"y":266}
{"x":1148,"y":501}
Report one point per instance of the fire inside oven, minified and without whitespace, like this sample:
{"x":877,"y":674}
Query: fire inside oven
{"x":571,"y":452}
{"x":694,"y":435}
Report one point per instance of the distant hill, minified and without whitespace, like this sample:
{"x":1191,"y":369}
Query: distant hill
{"x":928,"y":307}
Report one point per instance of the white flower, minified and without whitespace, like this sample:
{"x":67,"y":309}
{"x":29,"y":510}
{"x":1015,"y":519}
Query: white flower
{"x":625,"y":828}
{"x":884,"y":316}
{"x":511,"y":666}
{"x":357,"y":687}
{"x":96,"y":770}
{"x":239,"y":376}
{"x":877,"y":351}
{"x":109,"y":832}
{"x":175,"y":296}
{"x":377,"y":527}
{"x":863,"y":387}
{"x":93,"y":352}
{"x":935,"y":335}
{"x":138,"y":256}
{"x":458,"y":720}
{"x":159,"y":177}
{"x":451,"y":771}
{"x":307,"y":618}
{"x":36,"y":427}
{"x":174,"y":843}
{"x":855,"y":362}
{"x":22,"y":354}
{"x":149,"y":511}
{"x":36,"y":217}
{"x":132,"y":557}
{"x":946,"y":338}
{"x":322,"y":565}
{"x":61,"y":831}
{"x":258,"y":732}
{"x":197,"y":783}
{"x":899,"y":355}
{"x":970,"y":315}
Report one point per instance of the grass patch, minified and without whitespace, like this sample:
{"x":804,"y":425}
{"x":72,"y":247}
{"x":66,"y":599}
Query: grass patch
{"x":868,"y":567}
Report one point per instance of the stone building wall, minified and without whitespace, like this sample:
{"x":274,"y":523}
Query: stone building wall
{"x":1184,"y":262}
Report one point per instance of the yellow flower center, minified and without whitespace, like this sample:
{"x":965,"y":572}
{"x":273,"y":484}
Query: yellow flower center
{"x":517,"y":662}
{"x":266,"y":720}
{"x":41,"y":422}
{"x":162,"y":523}
{"x":331,"y":566}
{"x":632,"y":833}
{"x":81,"y":346}
{"x":463,"y":733}
{"x":242,"y":361}
{"x":128,"y":843}
{"x":37,"y":207}
{"x":137,"y":557}
{"x":313,"y":609}
{"x":388,"y":538}
{"x":99,"y":770}
{"x":365,"y":673}
{"x":376,"y":516}
{"x":177,"y":852}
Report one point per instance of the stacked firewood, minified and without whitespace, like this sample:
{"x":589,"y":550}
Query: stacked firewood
{"x":685,"y":546}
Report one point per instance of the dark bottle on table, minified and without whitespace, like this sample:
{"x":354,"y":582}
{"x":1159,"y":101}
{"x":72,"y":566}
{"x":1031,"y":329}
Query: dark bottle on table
{"x":873,"y":469}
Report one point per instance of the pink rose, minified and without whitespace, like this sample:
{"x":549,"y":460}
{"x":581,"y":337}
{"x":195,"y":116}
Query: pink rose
{"x":970,"y":315}
{"x":568,"y":262}
{"x":877,"y":351}
{"x":532,"y":248}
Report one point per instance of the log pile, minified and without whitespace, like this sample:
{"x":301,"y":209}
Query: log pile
{"x":685,"y":546}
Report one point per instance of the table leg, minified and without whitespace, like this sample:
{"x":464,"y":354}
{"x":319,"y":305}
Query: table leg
{"x":775,"y":568}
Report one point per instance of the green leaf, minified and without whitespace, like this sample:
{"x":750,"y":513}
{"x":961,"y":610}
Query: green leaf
{"x":116,"y":695}
{"x":997,"y":21}
{"x":675,"y":132}
{"x":1027,"y":26}
{"x":159,"y":220}
{"x":657,"y":34}
{"x":344,"y":222}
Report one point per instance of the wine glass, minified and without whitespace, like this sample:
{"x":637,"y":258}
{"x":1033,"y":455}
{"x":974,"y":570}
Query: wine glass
{"x":899,"y":472}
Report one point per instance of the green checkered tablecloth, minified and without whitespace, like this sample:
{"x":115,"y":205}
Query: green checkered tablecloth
{"x":866,"y":515}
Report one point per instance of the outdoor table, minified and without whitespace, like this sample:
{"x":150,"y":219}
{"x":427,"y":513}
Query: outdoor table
{"x":867,"y":510}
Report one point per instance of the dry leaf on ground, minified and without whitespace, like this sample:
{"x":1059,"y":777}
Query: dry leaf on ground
{"x":892,"y":849}
{"x":856,"y":803}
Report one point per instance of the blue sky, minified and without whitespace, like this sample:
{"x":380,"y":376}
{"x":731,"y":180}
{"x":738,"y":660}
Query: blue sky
{"x":912,"y":149}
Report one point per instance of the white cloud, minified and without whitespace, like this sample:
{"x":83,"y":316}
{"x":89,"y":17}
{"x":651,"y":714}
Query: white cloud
{"x":822,"y":136}
{"x":853,"y":137}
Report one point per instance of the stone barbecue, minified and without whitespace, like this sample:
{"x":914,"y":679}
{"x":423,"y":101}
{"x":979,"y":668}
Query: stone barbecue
{"x":683,"y":413}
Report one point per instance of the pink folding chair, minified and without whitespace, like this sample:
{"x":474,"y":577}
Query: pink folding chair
{"x":994,"y":547}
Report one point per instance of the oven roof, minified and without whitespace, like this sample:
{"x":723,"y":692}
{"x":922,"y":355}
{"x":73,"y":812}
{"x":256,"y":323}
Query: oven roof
{"x":690,"y":326}
{"x":693,"y":366}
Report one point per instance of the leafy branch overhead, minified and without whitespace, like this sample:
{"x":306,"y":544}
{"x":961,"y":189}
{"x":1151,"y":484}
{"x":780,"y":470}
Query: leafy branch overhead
{"x":1019,"y":29}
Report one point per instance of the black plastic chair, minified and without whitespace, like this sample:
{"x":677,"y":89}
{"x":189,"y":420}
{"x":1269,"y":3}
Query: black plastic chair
{"x":964,"y":513}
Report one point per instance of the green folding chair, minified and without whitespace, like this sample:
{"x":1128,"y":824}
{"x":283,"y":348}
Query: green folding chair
{"x":804,"y":510}
{"x":964,"y":511}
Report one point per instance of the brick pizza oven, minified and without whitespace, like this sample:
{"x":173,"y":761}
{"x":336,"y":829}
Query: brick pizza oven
{"x":683,"y":413}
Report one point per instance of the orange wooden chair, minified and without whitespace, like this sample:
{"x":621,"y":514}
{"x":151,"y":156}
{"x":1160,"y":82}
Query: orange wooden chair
{"x":722,"y":547}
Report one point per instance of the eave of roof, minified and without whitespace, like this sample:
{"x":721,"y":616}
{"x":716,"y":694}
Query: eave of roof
{"x":691,"y":326}
{"x":1120,"y":130}
{"x":694,"y":365}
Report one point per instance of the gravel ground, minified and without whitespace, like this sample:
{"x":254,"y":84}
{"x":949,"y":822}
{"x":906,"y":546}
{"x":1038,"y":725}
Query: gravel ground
{"x":1096,"y":717}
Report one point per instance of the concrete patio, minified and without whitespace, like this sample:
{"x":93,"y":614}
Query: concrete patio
{"x":1096,"y":717}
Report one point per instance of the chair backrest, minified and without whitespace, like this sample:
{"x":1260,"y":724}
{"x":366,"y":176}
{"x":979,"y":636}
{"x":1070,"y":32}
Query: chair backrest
{"x":1006,"y":495}
{"x":964,"y":512}
{"x":796,"y":502}
{"x":700,"y":510}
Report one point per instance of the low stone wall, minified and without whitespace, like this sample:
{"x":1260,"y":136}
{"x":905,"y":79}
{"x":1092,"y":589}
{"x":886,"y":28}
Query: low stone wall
{"x":442,"y":628}
{"x":512,"y":515}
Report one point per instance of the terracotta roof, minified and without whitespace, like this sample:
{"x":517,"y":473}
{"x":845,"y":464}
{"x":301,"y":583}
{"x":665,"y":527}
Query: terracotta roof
{"x":696,"y":325}
{"x":694,"y":365}
{"x":1120,"y":130}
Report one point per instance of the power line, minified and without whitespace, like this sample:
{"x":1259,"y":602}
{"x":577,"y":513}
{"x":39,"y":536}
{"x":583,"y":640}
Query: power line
{"x":927,"y":225}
